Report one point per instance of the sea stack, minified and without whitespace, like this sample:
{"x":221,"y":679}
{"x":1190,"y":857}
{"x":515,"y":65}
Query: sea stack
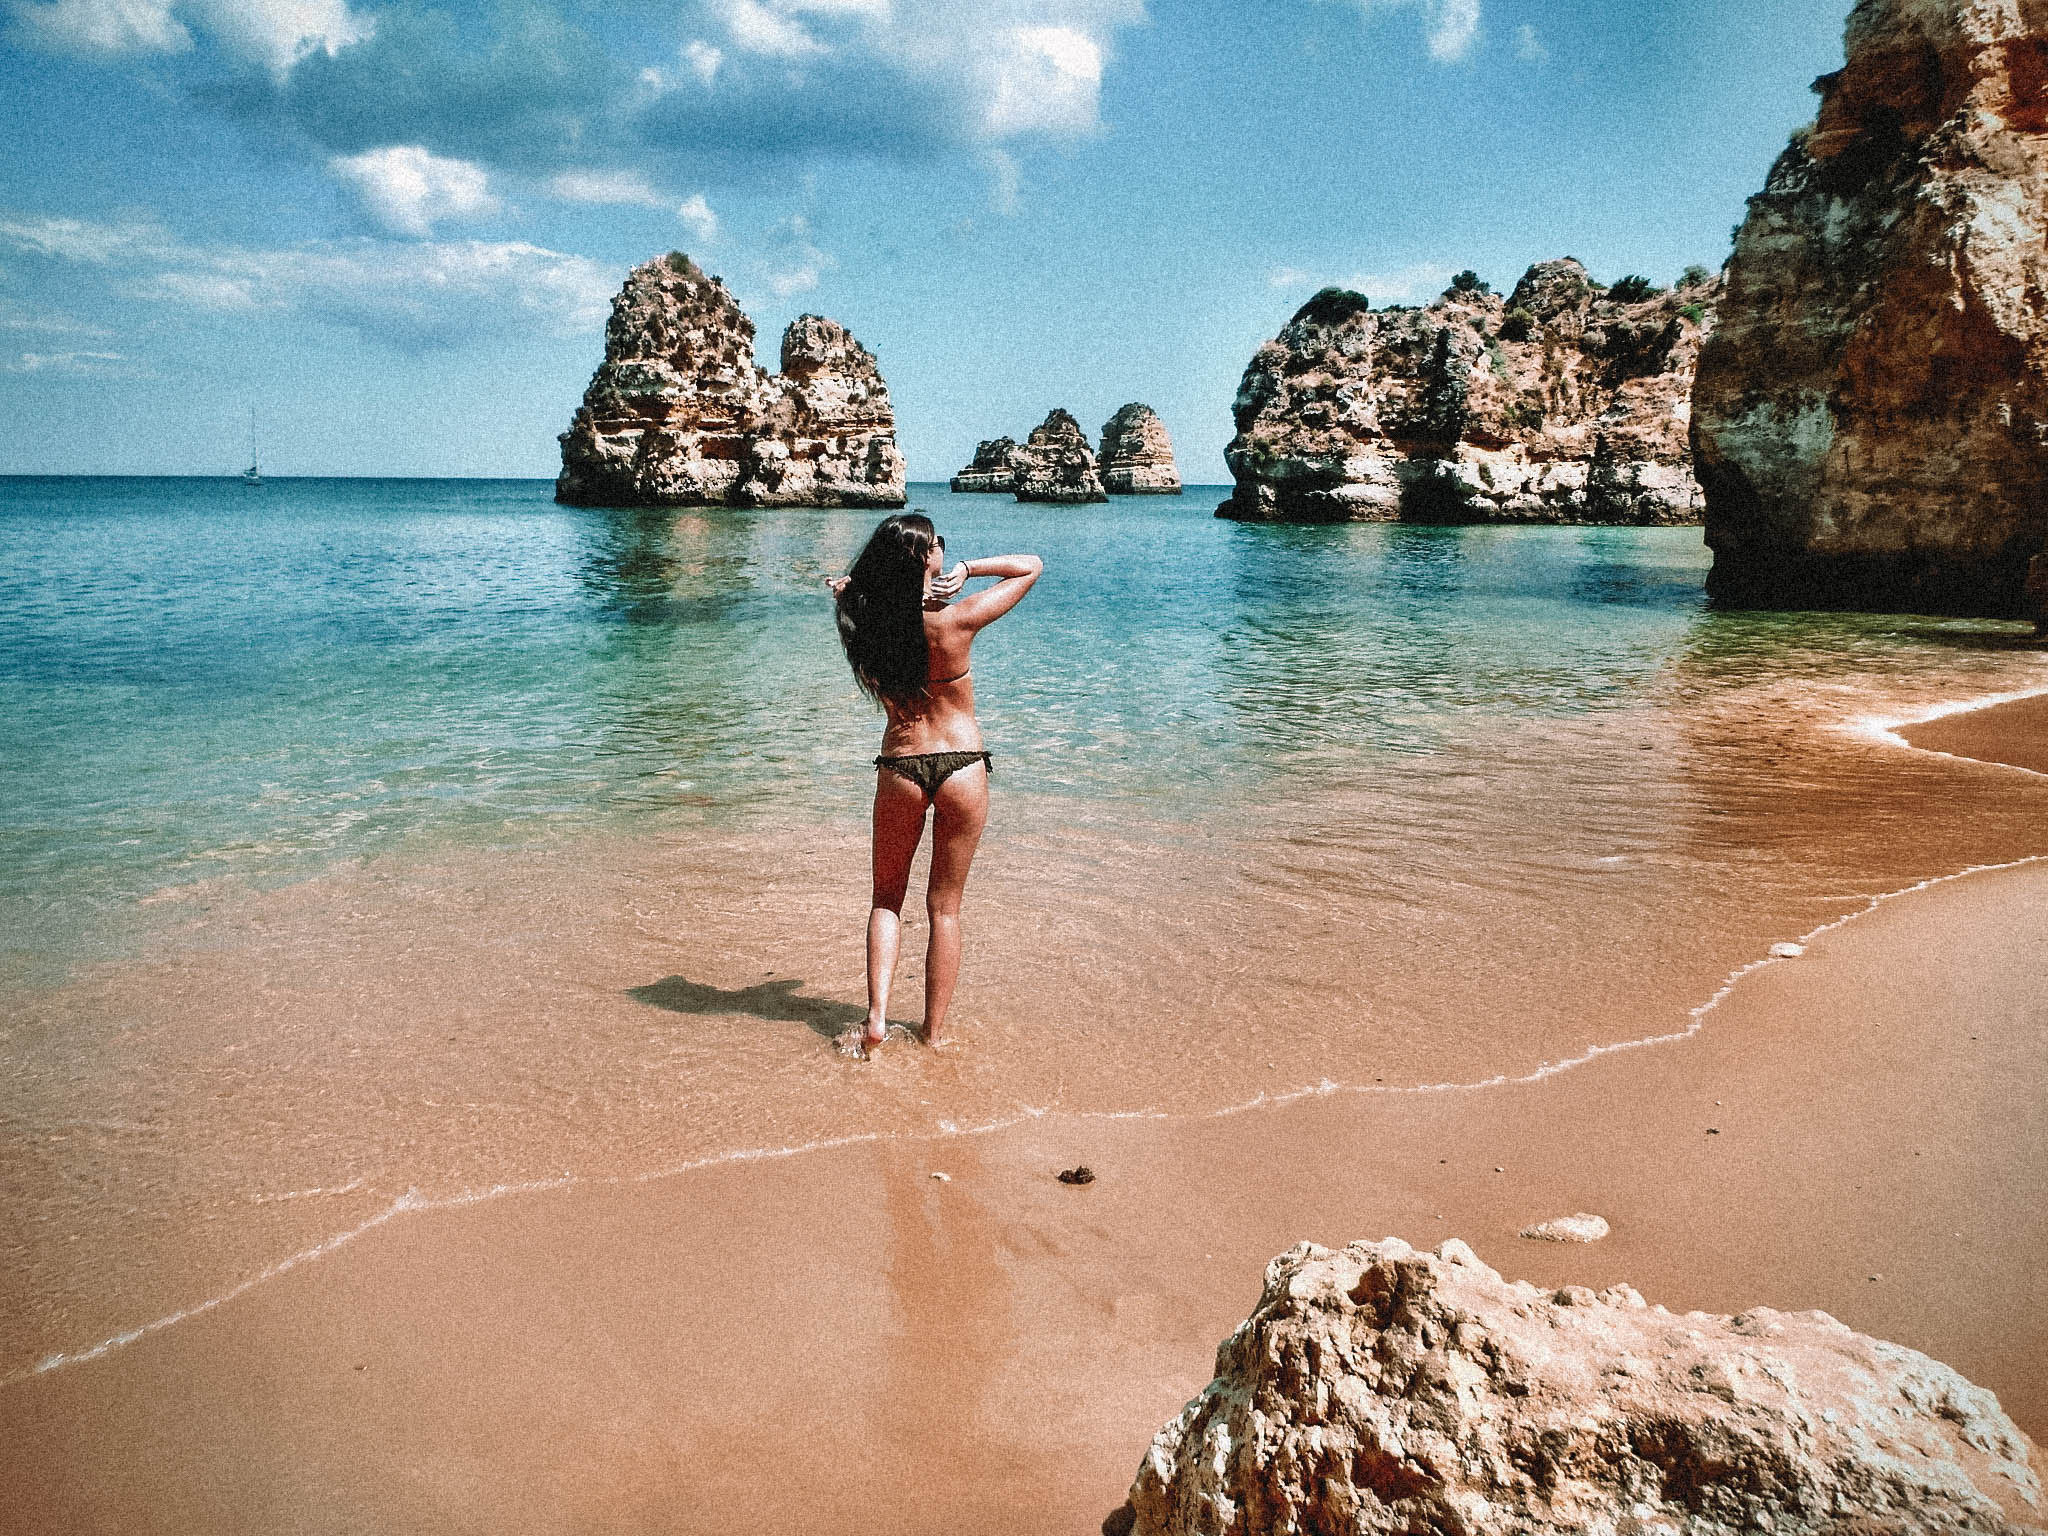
{"x":1871,"y":418}
{"x":1137,"y":454}
{"x":1056,"y":463}
{"x":680,"y":414}
{"x":993,"y":468}
{"x":1379,"y":1390}
{"x":1564,"y":403}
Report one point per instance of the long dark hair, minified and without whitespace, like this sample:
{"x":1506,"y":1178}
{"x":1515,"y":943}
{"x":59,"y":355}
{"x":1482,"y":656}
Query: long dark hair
{"x":881,"y":611}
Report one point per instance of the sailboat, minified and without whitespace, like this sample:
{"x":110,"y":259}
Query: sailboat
{"x":249,"y":475}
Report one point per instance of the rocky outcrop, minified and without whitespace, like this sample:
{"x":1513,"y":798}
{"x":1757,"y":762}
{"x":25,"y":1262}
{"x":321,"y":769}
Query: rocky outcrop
{"x":994,"y":467}
{"x":1564,"y":403}
{"x":1871,"y":419}
{"x":1378,"y":1389}
{"x":1137,"y":454}
{"x":680,"y":414}
{"x":1056,"y":463}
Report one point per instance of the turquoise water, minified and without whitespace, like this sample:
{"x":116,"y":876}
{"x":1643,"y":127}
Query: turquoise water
{"x":204,"y":679}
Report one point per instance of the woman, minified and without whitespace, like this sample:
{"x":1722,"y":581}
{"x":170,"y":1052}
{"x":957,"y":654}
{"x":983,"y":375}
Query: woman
{"x":908,"y":645}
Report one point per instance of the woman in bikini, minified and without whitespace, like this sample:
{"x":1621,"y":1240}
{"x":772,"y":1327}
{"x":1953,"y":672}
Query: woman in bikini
{"x":908,"y":642}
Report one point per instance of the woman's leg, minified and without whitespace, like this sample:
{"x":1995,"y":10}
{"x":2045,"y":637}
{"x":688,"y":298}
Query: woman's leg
{"x":960,"y":811}
{"x":899,"y":823}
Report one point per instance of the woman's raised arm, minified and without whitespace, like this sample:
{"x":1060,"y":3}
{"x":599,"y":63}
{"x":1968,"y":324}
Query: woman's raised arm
{"x":1016,"y":573}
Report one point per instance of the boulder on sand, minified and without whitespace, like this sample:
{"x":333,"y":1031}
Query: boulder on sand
{"x":1377,"y":1389}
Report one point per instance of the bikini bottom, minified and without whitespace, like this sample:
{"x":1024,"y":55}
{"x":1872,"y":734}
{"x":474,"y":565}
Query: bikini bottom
{"x":928,"y":770}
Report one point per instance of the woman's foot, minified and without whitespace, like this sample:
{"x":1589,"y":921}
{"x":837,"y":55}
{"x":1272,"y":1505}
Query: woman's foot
{"x":862,"y":1042}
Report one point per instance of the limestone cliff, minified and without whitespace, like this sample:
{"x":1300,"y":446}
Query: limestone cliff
{"x":1378,"y":1390}
{"x":1871,"y":419}
{"x":993,"y":468}
{"x":680,"y":414}
{"x":1056,"y":463}
{"x":1564,"y":403}
{"x":1137,"y":455}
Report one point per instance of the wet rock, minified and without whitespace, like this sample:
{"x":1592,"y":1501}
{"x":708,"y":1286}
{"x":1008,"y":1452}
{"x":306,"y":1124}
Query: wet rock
{"x":1376,"y":1389}
{"x":994,"y":467}
{"x":680,"y":414}
{"x":1583,"y":1227}
{"x":1871,"y":415}
{"x":1564,"y":403}
{"x":1137,"y":454}
{"x":1056,"y":463}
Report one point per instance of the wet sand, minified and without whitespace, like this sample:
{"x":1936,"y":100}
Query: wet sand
{"x":2015,"y":733}
{"x":837,"y":1340}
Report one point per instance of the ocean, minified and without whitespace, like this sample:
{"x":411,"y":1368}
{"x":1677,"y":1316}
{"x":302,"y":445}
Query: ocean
{"x":372,"y":844}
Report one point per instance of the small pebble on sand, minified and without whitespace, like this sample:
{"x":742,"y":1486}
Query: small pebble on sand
{"x":943,"y":1178}
{"x":1787,"y":951}
{"x":1081,"y":1175}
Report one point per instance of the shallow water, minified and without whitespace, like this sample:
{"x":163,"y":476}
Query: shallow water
{"x":365,"y":837}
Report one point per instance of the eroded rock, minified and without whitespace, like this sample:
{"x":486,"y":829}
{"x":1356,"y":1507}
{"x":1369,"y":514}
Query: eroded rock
{"x":1056,"y":463}
{"x":1563,"y":403}
{"x":680,"y":413}
{"x":1377,"y":1389}
{"x":993,"y":468}
{"x":1137,"y":454}
{"x":1871,"y":417}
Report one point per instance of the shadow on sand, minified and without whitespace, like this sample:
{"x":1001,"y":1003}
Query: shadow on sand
{"x":777,"y":1001}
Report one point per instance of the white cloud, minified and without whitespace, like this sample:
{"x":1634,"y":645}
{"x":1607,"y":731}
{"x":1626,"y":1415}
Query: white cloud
{"x":628,"y":188}
{"x":93,"y":364}
{"x":703,"y":59}
{"x":279,"y":33}
{"x":102,"y":26}
{"x":755,"y":27}
{"x":1406,"y":285}
{"x":408,"y":190}
{"x":1528,"y":46}
{"x":82,"y":240}
{"x":992,"y":71}
{"x":697,"y":213}
{"x":411,"y":293}
{"x":1047,"y":79}
{"x":1453,"y":28}
{"x":1450,"y":27}
{"x":45,"y":322}
{"x":799,"y":265}
{"x":1417,"y":282}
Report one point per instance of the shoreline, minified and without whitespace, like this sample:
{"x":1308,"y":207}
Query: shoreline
{"x":1017,"y":1341}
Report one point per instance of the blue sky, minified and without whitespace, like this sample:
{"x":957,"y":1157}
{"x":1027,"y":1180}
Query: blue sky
{"x":395,"y":228}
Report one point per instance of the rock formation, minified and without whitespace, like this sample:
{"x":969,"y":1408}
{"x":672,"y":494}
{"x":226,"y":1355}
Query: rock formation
{"x":1056,"y":464}
{"x":1378,"y":1389}
{"x":1137,"y":455}
{"x":1871,"y":420}
{"x":1565,"y":403}
{"x":680,"y":414}
{"x":994,"y":467}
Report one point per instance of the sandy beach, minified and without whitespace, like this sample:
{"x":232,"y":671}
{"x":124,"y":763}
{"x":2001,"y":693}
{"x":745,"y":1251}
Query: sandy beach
{"x":840,"y":1339}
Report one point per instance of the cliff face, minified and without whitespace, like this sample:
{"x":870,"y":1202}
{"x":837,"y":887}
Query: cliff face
{"x":1056,"y":463}
{"x":994,"y":467}
{"x":1871,"y":418}
{"x":1564,"y":403}
{"x":680,"y":414}
{"x":1137,"y":454}
{"x":1380,"y":1390}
